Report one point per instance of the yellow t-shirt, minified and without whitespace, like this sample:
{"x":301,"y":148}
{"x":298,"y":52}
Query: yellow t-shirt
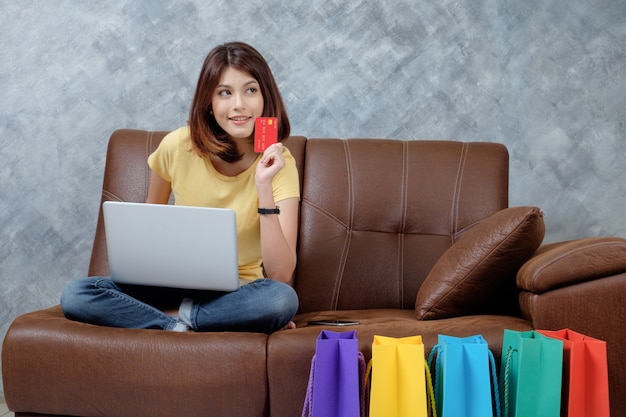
{"x":195,"y":182}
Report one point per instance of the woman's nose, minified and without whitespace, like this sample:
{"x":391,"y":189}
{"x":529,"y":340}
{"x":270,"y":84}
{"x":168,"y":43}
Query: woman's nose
{"x":239,"y":101}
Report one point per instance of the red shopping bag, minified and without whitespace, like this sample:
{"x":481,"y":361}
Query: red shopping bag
{"x":585,"y":374}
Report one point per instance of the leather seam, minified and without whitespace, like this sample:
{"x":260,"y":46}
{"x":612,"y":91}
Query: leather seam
{"x":540,"y":270}
{"x":326,"y":213}
{"x":107,"y":195}
{"x":402,"y":234}
{"x":349,"y":229}
{"x":457,"y":193}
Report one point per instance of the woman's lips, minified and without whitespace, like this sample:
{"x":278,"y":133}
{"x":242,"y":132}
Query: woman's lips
{"x":240,"y":120}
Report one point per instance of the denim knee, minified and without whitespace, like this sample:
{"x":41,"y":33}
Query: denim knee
{"x":263,"y":306}
{"x":282,"y":303}
{"x":77,"y":294}
{"x":70,"y":298}
{"x":288,"y":301}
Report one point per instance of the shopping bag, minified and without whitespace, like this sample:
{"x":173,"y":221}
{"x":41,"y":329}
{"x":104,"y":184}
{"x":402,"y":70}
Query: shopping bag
{"x":464,"y":372}
{"x":530,"y":375}
{"x":398,"y":377}
{"x":585,"y":374}
{"x":335,"y":387}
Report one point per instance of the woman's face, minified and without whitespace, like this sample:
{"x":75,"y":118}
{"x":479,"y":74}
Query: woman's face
{"x":237,"y":102}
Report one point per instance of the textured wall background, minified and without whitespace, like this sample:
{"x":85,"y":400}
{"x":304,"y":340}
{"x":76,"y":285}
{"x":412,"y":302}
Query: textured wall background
{"x":545,"y":77}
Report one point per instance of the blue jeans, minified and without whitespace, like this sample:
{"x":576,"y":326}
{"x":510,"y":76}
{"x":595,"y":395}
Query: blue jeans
{"x":262,"y":306}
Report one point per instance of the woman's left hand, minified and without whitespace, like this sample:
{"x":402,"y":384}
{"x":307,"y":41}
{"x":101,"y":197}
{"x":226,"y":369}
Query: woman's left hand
{"x":271,"y":162}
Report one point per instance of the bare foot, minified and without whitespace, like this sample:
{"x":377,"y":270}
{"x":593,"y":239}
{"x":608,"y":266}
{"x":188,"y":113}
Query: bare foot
{"x":290,"y":325}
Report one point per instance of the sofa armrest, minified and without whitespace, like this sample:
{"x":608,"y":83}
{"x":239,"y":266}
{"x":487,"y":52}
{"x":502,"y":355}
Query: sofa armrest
{"x":566,"y":263}
{"x":580,"y":285}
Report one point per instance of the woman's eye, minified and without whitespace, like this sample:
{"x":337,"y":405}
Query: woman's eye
{"x":252,"y":90}
{"x":223,"y":93}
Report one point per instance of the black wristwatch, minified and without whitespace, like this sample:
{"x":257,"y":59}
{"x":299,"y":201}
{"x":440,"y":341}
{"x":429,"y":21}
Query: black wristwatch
{"x":269,"y":211}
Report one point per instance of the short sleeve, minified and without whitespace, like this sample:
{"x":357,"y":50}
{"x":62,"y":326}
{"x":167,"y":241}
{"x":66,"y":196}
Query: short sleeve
{"x":160,"y":161}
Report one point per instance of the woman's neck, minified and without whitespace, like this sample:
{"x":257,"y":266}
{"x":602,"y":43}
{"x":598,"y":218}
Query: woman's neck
{"x":231,"y":169}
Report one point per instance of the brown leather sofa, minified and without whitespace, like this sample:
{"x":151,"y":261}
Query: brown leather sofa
{"x":391,"y":231}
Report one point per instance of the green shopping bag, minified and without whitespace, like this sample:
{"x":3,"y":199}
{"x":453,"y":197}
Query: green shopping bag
{"x":531,"y":374}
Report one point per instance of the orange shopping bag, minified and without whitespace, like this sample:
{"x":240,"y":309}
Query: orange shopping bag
{"x":585,"y":374}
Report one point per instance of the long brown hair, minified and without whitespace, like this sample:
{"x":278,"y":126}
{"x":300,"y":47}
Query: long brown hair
{"x":207,"y":136}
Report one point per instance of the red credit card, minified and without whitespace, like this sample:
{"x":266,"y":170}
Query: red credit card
{"x":265,"y":133}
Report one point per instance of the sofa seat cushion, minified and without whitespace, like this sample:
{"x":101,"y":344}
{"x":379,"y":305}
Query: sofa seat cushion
{"x":58,"y":366}
{"x":481,"y":266}
{"x":290,"y":351}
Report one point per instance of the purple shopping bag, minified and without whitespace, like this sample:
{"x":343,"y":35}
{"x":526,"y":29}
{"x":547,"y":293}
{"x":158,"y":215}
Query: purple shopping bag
{"x":335,"y":386}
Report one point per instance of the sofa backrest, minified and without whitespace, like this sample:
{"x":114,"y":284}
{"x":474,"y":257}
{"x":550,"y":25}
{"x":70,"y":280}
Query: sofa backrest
{"x":377,"y":214}
{"x":126,"y":178}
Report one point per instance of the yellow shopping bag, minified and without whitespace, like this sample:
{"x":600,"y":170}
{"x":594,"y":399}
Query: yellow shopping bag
{"x":398,"y":380}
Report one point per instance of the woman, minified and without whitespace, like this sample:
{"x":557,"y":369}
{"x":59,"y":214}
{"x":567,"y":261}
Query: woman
{"x":212,"y":163}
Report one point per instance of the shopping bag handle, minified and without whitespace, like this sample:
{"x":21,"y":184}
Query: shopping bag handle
{"x":505,"y":383}
{"x":366,"y":383}
{"x":494,"y":378}
{"x":307,"y":410}
{"x":362,"y":385}
{"x":430,"y":391}
{"x":435,"y":350}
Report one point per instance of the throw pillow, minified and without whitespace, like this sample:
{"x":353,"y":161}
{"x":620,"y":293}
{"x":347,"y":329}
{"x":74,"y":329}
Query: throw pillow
{"x":479,"y":266}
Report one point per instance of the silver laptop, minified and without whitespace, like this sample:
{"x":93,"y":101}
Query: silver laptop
{"x":172,"y":246}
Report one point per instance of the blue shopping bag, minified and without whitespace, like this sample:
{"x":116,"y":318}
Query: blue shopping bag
{"x":464,"y":375}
